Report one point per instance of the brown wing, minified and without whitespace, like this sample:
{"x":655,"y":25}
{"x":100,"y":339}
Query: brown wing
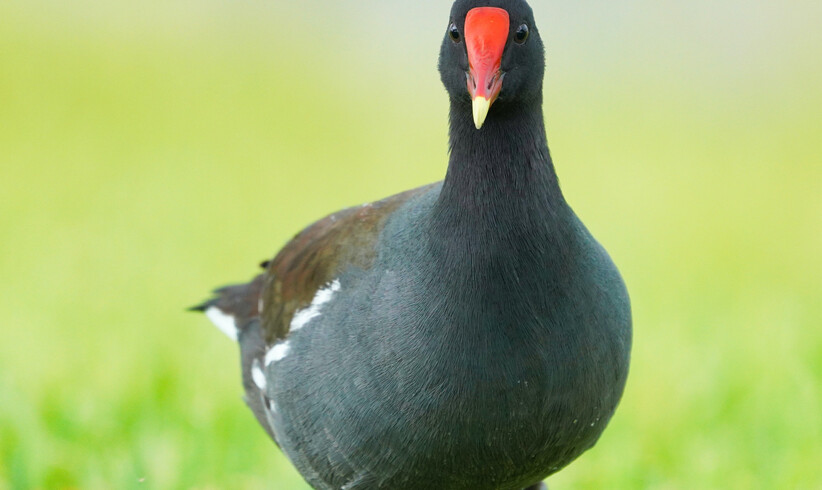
{"x":318,"y":254}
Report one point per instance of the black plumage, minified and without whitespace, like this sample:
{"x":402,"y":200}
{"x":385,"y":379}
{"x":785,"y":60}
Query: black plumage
{"x":470,"y":334}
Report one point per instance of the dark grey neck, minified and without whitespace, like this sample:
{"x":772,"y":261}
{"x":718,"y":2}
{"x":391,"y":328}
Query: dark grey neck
{"x":500,"y":178}
{"x":500,"y":229}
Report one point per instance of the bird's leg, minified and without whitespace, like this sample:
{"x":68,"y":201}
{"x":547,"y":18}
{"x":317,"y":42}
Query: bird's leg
{"x":539,"y":486}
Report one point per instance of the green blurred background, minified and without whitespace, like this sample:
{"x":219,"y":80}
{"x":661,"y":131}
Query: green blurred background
{"x":152,"y":150}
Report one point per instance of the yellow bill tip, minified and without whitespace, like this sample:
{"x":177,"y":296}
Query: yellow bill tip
{"x":480,"y":106}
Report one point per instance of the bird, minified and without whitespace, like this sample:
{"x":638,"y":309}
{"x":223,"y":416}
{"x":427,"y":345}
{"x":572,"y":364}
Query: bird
{"x":467,"y":334}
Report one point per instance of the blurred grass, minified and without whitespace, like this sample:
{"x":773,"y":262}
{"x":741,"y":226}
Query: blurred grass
{"x":152,"y":151}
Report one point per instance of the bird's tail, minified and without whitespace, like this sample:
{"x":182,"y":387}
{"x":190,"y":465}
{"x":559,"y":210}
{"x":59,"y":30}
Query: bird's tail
{"x":233,"y":307}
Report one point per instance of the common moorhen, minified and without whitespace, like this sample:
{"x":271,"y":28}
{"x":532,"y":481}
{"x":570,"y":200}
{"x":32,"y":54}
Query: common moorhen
{"x":469,"y":334}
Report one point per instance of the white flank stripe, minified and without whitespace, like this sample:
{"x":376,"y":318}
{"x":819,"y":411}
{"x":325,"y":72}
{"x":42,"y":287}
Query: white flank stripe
{"x":324,"y":295}
{"x":223,"y":321}
{"x":277,"y":352}
{"x":258,"y":375}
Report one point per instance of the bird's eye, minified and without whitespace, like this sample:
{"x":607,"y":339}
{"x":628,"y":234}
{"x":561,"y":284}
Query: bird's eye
{"x":454,"y":33}
{"x":521,"y":35}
